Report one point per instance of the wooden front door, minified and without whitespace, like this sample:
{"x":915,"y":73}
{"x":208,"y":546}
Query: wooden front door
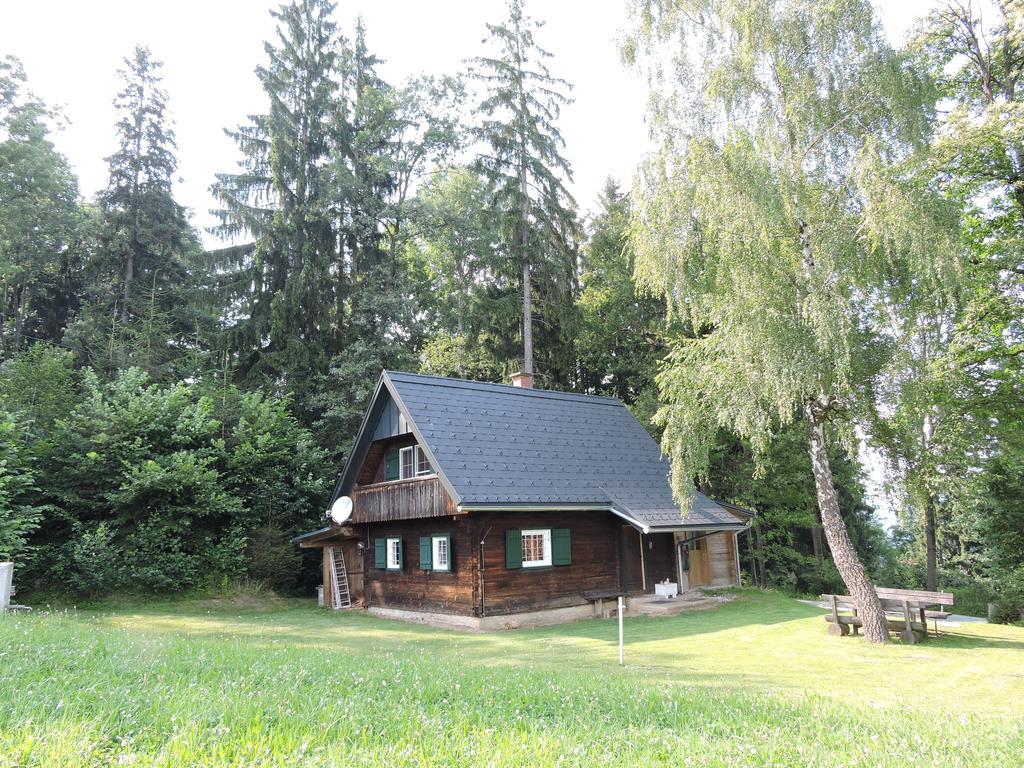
{"x":696,"y":564}
{"x":660,"y":558}
{"x":646,"y":559}
{"x":632,"y":560}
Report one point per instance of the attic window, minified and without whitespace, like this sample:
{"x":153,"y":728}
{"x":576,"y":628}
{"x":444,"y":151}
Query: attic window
{"x":413,"y":462}
{"x":422,"y":463}
{"x":407,"y":462}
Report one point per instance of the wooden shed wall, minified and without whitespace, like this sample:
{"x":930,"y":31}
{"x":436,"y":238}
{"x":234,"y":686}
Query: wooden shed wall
{"x":722,"y":559}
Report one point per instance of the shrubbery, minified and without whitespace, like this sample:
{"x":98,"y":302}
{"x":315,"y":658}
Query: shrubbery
{"x":139,"y":487}
{"x":1008,"y":604}
{"x":18,"y":519}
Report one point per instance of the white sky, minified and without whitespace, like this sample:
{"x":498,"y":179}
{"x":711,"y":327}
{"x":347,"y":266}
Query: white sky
{"x":72,"y":48}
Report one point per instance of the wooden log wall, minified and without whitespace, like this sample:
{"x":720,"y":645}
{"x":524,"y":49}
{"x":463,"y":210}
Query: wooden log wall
{"x":595,"y":561}
{"x":413,"y":588}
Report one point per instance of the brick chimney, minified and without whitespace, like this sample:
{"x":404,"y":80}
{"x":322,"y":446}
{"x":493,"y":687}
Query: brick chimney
{"x":524,"y":380}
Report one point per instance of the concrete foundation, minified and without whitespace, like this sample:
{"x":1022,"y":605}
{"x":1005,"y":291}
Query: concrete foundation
{"x":642,"y":605}
{"x":487,"y":623}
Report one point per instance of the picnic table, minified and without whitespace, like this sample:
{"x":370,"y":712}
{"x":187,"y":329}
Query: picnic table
{"x":907,"y":612}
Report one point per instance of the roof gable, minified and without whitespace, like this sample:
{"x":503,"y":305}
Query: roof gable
{"x":498,"y":446}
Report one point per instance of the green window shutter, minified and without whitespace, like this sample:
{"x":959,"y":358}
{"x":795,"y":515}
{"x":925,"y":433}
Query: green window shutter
{"x":391,"y":459}
{"x":380,"y":553}
{"x":561,"y":549}
{"x":426,"y":553}
{"x":514,"y":549}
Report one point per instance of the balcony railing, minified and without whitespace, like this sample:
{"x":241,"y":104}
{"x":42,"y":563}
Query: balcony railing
{"x":401,"y":500}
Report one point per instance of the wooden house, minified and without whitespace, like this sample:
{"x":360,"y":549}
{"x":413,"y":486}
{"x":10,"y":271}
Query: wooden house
{"x":470,"y":504}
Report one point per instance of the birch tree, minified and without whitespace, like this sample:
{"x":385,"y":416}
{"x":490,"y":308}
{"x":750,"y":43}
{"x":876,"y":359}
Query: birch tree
{"x":777,"y":211}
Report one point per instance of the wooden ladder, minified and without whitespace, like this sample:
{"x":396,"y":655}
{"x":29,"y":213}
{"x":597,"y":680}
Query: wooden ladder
{"x":340,"y":596}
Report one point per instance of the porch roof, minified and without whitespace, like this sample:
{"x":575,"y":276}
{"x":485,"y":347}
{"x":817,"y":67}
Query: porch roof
{"x":311,"y":538}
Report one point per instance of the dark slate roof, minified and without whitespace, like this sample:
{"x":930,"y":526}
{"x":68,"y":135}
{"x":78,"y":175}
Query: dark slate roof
{"x":502,"y":445}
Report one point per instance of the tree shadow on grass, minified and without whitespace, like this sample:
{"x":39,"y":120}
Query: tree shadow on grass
{"x":951,"y":639}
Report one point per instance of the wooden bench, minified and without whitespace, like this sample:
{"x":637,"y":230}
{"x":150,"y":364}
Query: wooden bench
{"x":906,"y":612}
{"x":598,"y":596}
{"x":942,"y":599}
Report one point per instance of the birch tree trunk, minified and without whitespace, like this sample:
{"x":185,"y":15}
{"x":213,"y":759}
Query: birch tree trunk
{"x":931,"y":557}
{"x":843,"y":554}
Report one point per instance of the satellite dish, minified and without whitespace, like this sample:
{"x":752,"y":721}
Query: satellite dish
{"x":341,"y":509}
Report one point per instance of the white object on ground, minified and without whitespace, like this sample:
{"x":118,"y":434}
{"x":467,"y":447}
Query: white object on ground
{"x":669,"y":589}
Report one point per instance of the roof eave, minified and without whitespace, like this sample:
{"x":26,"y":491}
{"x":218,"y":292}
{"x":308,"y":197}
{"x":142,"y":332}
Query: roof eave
{"x":309,"y":535}
{"x":699,"y":527}
{"x":526,"y":506}
{"x":736,"y":508}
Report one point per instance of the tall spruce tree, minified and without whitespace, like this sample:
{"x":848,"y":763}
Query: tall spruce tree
{"x":527,"y":171}
{"x":622,"y":333}
{"x":388,"y":138}
{"x":136,"y":312}
{"x":41,"y":224}
{"x":284,"y":291}
{"x":775,"y":216}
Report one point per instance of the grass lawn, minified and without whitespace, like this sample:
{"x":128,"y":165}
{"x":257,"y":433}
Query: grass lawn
{"x":281,"y":683}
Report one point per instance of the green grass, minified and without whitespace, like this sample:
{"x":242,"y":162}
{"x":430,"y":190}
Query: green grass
{"x":279,"y":683}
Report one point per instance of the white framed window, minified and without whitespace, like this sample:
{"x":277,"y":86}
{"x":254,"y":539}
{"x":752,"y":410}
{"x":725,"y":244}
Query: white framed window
{"x":440,"y":559}
{"x":394,"y":551}
{"x":407,"y":463}
{"x":536,"y":547}
{"x":413,"y":462}
{"x":422,"y":463}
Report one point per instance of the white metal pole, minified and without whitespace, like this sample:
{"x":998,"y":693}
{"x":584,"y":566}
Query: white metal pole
{"x":622,"y":609}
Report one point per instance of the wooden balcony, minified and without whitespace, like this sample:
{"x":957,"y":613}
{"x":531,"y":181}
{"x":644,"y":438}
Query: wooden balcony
{"x":401,"y":500}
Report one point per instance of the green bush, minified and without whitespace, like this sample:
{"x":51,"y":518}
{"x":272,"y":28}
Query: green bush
{"x":150,"y":488}
{"x":972,"y":599}
{"x":18,"y":518}
{"x":93,"y":566}
{"x":272,"y":559}
{"x":1008,"y":606}
{"x":1007,"y":610}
